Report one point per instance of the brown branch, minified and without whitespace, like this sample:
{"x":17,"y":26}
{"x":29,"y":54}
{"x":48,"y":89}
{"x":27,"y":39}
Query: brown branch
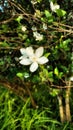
{"x":60,"y":29}
{"x":28,"y":90}
{"x":17,"y":89}
{"x":63,"y":25}
{"x":20,"y":90}
{"x":16,"y":5}
{"x":8,"y":20}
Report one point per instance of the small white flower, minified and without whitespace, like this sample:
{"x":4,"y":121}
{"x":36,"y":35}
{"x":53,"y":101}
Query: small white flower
{"x":23,"y":28}
{"x":34,"y":28}
{"x":38,"y":14}
{"x":33,"y":2}
{"x":54,"y":7}
{"x":38,"y":36}
{"x":71,"y":78}
{"x":44,"y":26}
{"x":29,"y":57}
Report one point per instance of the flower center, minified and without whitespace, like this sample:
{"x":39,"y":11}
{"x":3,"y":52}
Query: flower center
{"x":33,"y":59}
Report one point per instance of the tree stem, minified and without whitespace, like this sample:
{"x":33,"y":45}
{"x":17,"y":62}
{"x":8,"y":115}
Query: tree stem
{"x":61,"y":109}
{"x":67,"y":104}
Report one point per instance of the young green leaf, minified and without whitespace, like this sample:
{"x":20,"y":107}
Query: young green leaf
{"x":56,"y":71}
{"x":61,"y":12}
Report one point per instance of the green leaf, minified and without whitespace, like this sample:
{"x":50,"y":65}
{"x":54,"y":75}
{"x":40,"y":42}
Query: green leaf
{"x":4,"y":44}
{"x":60,"y":75}
{"x":48,"y":14}
{"x":20,"y":75}
{"x":19,"y":18}
{"x":50,"y":20}
{"x":50,"y":76}
{"x":36,"y":79}
{"x":47,"y":54}
{"x":54,"y":92}
{"x":26,"y":75}
{"x":64,"y":44}
{"x":56,"y":71}
{"x":61,"y":12}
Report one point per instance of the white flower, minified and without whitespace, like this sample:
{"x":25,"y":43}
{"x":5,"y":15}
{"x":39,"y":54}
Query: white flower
{"x":29,"y":57}
{"x":38,"y":36}
{"x":54,"y":7}
{"x":71,"y":78}
{"x":38,"y":13}
{"x":34,"y":28}
{"x":44,"y":26}
{"x":23,"y":28}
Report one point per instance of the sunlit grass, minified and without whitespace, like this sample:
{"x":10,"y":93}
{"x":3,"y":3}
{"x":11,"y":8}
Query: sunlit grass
{"x":16,"y":114}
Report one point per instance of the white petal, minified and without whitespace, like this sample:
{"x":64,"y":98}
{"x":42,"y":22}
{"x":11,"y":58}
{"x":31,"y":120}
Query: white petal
{"x":23,"y":51}
{"x":25,"y":61}
{"x":44,"y":26}
{"x":54,"y":7}
{"x":34,"y":28}
{"x":39,"y":52}
{"x":57,"y":6}
{"x":71,"y":78}
{"x":29,"y":51}
{"x":51,"y":6}
{"x":35,"y":34}
{"x":34,"y":67}
{"x":24,"y":28}
{"x":38,"y":36}
{"x":42,"y":60}
{"x":23,"y":57}
{"x":20,"y":58}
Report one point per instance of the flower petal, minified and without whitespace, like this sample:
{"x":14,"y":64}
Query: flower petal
{"x":25,"y":61}
{"x":39,"y":52}
{"x":54,"y":7}
{"x":71,"y":78}
{"x":22,"y":57}
{"x":23,"y":51}
{"x":29,"y":51}
{"x":42,"y":60}
{"x":34,"y":67}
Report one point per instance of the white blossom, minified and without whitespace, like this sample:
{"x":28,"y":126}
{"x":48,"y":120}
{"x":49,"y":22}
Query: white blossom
{"x":38,"y":36}
{"x":54,"y":7}
{"x":44,"y":26}
{"x":29,"y":57}
{"x":71,"y":78}
{"x":34,"y":28}
{"x":24,"y":28}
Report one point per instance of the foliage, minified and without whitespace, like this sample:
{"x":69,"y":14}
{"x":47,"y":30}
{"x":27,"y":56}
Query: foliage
{"x":35,"y":24}
{"x":15,"y":114}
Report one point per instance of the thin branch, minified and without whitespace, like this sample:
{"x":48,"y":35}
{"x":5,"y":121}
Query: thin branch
{"x":63,"y":25}
{"x":8,"y":20}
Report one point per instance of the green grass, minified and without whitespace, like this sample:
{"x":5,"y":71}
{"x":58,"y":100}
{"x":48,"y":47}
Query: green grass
{"x":18,"y":115}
